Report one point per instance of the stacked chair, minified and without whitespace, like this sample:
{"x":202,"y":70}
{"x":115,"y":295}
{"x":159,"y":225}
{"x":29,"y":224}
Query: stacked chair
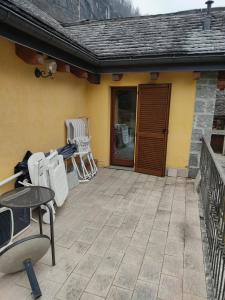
{"x":49,"y":172}
{"x":78,"y":134}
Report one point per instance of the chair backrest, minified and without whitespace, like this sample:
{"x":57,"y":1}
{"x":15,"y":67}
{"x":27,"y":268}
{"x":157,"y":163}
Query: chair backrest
{"x":77,"y":128}
{"x":70,"y":131}
{"x":80,"y":127}
{"x":83,"y":144}
{"x":57,"y":177}
{"x":37,"y":169}
{"x":6,"y":227}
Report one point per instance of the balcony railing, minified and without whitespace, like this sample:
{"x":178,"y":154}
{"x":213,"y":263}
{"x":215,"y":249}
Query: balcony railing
{"x":212,"y":191}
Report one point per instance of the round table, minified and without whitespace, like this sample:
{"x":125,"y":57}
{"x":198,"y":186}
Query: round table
{"x":32,"y":197}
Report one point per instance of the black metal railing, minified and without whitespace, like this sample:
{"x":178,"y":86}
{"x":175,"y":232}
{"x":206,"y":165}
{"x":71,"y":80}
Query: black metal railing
{"x":212,"y":191}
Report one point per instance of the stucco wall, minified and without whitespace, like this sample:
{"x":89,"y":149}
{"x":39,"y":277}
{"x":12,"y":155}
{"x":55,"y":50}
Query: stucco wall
{"x":33,"y":110}
{"x":180,"y":122}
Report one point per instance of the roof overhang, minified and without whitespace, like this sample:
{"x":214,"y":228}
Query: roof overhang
{"x":29,"y":32}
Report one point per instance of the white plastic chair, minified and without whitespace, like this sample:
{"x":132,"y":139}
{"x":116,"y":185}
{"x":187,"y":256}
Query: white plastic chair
{"x":3,"y":210}
{"x":78,"y":133}
{"x":57,"y":177}
{"x":37,"y":167}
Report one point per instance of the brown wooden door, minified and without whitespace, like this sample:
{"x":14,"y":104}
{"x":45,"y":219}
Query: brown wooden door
{"x":152,"y":128}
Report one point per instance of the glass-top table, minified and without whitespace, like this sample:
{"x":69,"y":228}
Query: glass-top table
{"x":27,"y":197}
{"x":32,"y":197}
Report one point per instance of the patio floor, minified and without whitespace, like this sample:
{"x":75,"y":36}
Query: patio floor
{"x":122,"y":236}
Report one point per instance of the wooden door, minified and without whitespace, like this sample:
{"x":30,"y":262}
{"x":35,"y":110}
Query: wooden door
{"x":152,"y":128}
{"x":123,"y":124}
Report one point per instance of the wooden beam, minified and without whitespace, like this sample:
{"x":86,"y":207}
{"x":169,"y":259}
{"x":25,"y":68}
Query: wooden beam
{"x":221,"y":80}
{"x":94,"y":78}
{"x":79,"y":72}
{"x":29,"y":56}
{"x":117,"y":77}
{"x":62,"y":67}
{"x":196,"y":75}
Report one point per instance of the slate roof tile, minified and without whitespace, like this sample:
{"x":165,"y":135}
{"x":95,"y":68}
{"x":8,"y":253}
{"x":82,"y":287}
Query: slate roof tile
{"x":171,"y":34}
{"x":165,"y":35}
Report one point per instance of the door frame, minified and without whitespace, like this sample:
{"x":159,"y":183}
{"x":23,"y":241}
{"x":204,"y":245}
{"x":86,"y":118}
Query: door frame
{"x":125,"y":163}
{"x":169,"y":85}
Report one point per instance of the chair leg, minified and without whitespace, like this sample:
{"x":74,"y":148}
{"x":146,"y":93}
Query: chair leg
{"x":36,"y":291}
{"x":84,"y":169}
{"x":92,"y":163}
{"x":81,"y":173}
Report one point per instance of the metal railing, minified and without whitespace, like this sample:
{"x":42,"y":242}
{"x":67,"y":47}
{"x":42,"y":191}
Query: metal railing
{"x":212,"y":190}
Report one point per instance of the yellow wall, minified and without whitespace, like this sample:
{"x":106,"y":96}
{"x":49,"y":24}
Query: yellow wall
{"x":180,"y":122}
{"x":33,"y":110}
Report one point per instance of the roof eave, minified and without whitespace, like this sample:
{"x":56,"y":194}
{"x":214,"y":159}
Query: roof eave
{"x":204,"y":62}
{"x":30,"y":34}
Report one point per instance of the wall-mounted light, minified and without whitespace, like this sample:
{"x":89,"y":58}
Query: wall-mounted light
{"x":51,"y":69}
{"x":154,"y":75}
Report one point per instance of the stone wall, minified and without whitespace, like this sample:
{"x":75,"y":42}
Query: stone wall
{"x":220,"y":103}
{"x":203,"y":117}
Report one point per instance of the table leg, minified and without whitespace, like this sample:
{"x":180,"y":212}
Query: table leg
{"x":52,"y":233}
{"x":40,"y":220}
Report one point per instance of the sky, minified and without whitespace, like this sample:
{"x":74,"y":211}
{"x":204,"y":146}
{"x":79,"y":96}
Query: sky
{"x":147,"y":7}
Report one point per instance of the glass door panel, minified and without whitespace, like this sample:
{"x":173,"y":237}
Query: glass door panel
{"x":123,"y":122}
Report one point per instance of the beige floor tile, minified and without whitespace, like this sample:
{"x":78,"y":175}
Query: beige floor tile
{"x":117,"y":293}
{"x":150,"y":270}
{"x":118,"y":227}
{"x":12,"y":291}
{"x":174,"y":247}
{"x":194,"y":283}
{"x":191,"y":297}
{"x":73,"y":288}
{"x":88,"y":265}
{"x":115,"y":220}
{"x":102,"y":280}
{"x":155,"y":251}
{"x":87,"y":296}
{"x":158,"y":237}
{"x":139,"y":239}
{"x":119,"y":244}
{"x":145,"y":291}
{"x":48,"y":288}
{"x":173,"y":266}
{"x":88,"y":235}
{"x":127,"y":275}
{"x":67,"y":238}
{"x":170,"y":288}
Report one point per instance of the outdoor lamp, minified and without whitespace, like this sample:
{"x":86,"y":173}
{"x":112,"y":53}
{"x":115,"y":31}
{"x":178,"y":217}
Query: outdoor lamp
{"x":51,"y":68}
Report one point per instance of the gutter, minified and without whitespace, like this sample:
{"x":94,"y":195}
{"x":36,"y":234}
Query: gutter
{"x":34,"y":36}
{"x":30,"y":31}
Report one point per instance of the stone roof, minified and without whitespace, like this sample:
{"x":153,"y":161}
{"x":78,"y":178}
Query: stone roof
{"x":31,"y":11}
{"x":157,"y":35}
{"x":166,"y":35}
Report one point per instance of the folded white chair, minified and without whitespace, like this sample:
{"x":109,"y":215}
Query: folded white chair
{"x":6,"y":227}
{"x":38,"y":172}
{"x":57,"y":177}
{"x":77,"y":133}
